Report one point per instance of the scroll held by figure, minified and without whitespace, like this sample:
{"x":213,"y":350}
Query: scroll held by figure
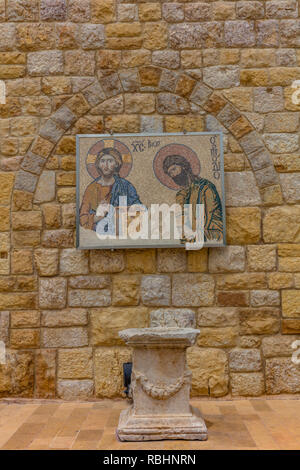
{"x":150,"y":190}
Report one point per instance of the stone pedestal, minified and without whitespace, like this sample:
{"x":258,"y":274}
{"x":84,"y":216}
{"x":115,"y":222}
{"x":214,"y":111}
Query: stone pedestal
{"x":160,"y":387}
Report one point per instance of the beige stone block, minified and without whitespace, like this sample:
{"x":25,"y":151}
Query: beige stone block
{"x":272,"y":195}
{"x":193,"y":290}
{"x":280,"y":280}
{"x":75,"y":389}
{"x":66,"y":195}
{"x":261,"y":257}
{"x":149,"y":11}
{"x":27,"y":220}
{"x":259,"y":321}
{"x":46,"y":261}
{"x":155,"y":36}
{"x":126,"y":123}
{"x":74,"y":261}
{"x":228,"y":259}
{"x":26,"y":238}
{"x":276,"y":221}
{"x":171,"y":260}
{"x":126,"y":290}
{"x":243,"y":225}
{"x":75,"y":363}
{"x":274,"y":346}
{"x":288,"y":249}
{"x":291,"y":303}
{"x":66,"y":145}
{"x":21,"y":201}
{"x":4,"y":219}
{"x":141,"y":261}
{"x":229,"y":56}
{"x":107,"y":322}
{"x":136,"y":103}
{"x":124,"y":43}
{"x":102,"y":11}
{"x":289,"y":264}
{"x":67,"y":317}
{"x":45,"y":373}
{"x":25,"y":338}
{"x":197,"y":261}
{"x":123,"y":29}
{"x":106,"y":261}
{"x":191,"y":59}
{"x":25,"y":319}
{"x":56,"y":85}
{"x":52,"y":215}
{"x":17,"y":375}
{"x":109,"y":371}
{"x":53,"y":293}
{"x":209,"y":369}
{"x":249,"y":384}
{"x":6,"y":184}
{"x":22,"y":262}
{"x":241,"y":281}
{"x":64,"y":337}
{"x":240,"y":97}
{"x":89,"y":298}
{"x":136,"y":58}
{"x":108,"y":59}
{"x":225,"y":337}
{"x":282,"y":376}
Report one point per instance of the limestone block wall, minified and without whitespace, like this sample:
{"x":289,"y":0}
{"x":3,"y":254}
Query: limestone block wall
{"x":99,"y":66}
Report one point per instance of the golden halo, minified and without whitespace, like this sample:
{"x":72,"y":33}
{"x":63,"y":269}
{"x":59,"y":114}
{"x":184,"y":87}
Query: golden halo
{"x":107,"y":143}
{"x":174,"y":149}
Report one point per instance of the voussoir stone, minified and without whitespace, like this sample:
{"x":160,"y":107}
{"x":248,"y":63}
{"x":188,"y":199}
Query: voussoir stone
{"x":45,"y":190}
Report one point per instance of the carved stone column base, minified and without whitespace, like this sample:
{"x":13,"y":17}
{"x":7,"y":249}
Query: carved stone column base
{"x":188,"y":426}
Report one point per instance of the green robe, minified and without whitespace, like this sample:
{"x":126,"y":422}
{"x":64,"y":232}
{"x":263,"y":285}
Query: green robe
{"x":202,"y":191}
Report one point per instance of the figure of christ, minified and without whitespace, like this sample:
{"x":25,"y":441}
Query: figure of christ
{"x":196,"y":190}
{"x":107,"y":188}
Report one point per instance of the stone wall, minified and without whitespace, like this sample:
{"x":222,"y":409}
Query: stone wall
{"x":81,"y":66}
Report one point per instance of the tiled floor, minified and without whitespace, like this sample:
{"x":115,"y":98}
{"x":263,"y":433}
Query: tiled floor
{"x":232,"y":424}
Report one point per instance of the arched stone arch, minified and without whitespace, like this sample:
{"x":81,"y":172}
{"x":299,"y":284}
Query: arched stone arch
{"x":176,"y":92}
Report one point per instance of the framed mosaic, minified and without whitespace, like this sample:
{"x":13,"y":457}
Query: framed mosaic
{"x":150,"y":190}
